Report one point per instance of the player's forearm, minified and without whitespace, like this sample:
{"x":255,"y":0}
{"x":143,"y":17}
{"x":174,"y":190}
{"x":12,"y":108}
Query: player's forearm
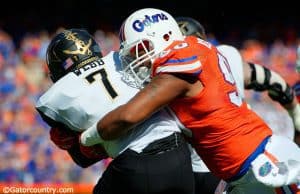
{"x":109,"y":127}
{"x":158,"y":93}
{"x":263,"y":79}
{"x":116,"y":123}
{"x":150,"y":99}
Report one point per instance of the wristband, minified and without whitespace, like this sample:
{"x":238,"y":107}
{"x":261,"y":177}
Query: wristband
{"x":91,"y":136}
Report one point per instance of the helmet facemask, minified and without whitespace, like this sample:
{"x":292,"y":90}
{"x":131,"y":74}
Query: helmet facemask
{"x":137,"y":61}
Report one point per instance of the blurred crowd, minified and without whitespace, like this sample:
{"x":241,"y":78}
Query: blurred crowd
{"x":26,"y":153}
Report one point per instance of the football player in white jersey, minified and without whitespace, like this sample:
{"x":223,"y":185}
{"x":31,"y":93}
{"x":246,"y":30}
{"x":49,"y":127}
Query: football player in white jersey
{"x":247,"y":76}
{"x":251,"y":76}
{"x":152,"y":159}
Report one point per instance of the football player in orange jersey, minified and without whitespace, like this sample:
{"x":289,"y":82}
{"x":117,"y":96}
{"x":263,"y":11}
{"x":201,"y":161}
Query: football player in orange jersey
{"x":252,"y":76}
{"x":247,"y":76}
{"x":194,"y":79}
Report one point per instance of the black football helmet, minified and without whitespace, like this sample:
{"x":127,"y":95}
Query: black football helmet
{"x":70,"y":49}
{"x":190,"y":26}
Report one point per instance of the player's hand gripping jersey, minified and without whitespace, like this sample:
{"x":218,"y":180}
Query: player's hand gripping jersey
{"x":219,"y":128}
{"x":83,"y":96}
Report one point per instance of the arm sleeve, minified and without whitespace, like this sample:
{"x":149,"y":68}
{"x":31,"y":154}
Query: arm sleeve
{"x":263,"y":79}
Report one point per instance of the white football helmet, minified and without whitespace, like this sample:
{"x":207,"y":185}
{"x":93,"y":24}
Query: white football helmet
{"x":144,"y":35}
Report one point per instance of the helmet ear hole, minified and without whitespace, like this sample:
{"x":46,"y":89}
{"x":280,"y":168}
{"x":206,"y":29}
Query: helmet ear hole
{"x":166,"y":37}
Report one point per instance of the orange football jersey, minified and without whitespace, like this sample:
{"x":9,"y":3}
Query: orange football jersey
{"x":224,"y":131}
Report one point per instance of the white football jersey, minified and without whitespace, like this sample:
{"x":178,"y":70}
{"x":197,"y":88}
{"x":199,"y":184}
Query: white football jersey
{"x":84,"y":96}
{"x":235,"y":62}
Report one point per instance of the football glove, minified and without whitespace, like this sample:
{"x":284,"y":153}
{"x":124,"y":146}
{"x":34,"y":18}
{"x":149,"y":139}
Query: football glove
{"x":64,"y":138}
{"x":93,"y":152}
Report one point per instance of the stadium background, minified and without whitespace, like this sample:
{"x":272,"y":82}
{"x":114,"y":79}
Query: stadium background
{"x":265,"y":34}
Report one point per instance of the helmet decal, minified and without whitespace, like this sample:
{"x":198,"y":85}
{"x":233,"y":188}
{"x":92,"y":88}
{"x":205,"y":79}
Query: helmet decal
{"x":82,"y":47}
{"x":70,"y":50}
{"x":68,"y":63}
{"x":139,"y":25}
